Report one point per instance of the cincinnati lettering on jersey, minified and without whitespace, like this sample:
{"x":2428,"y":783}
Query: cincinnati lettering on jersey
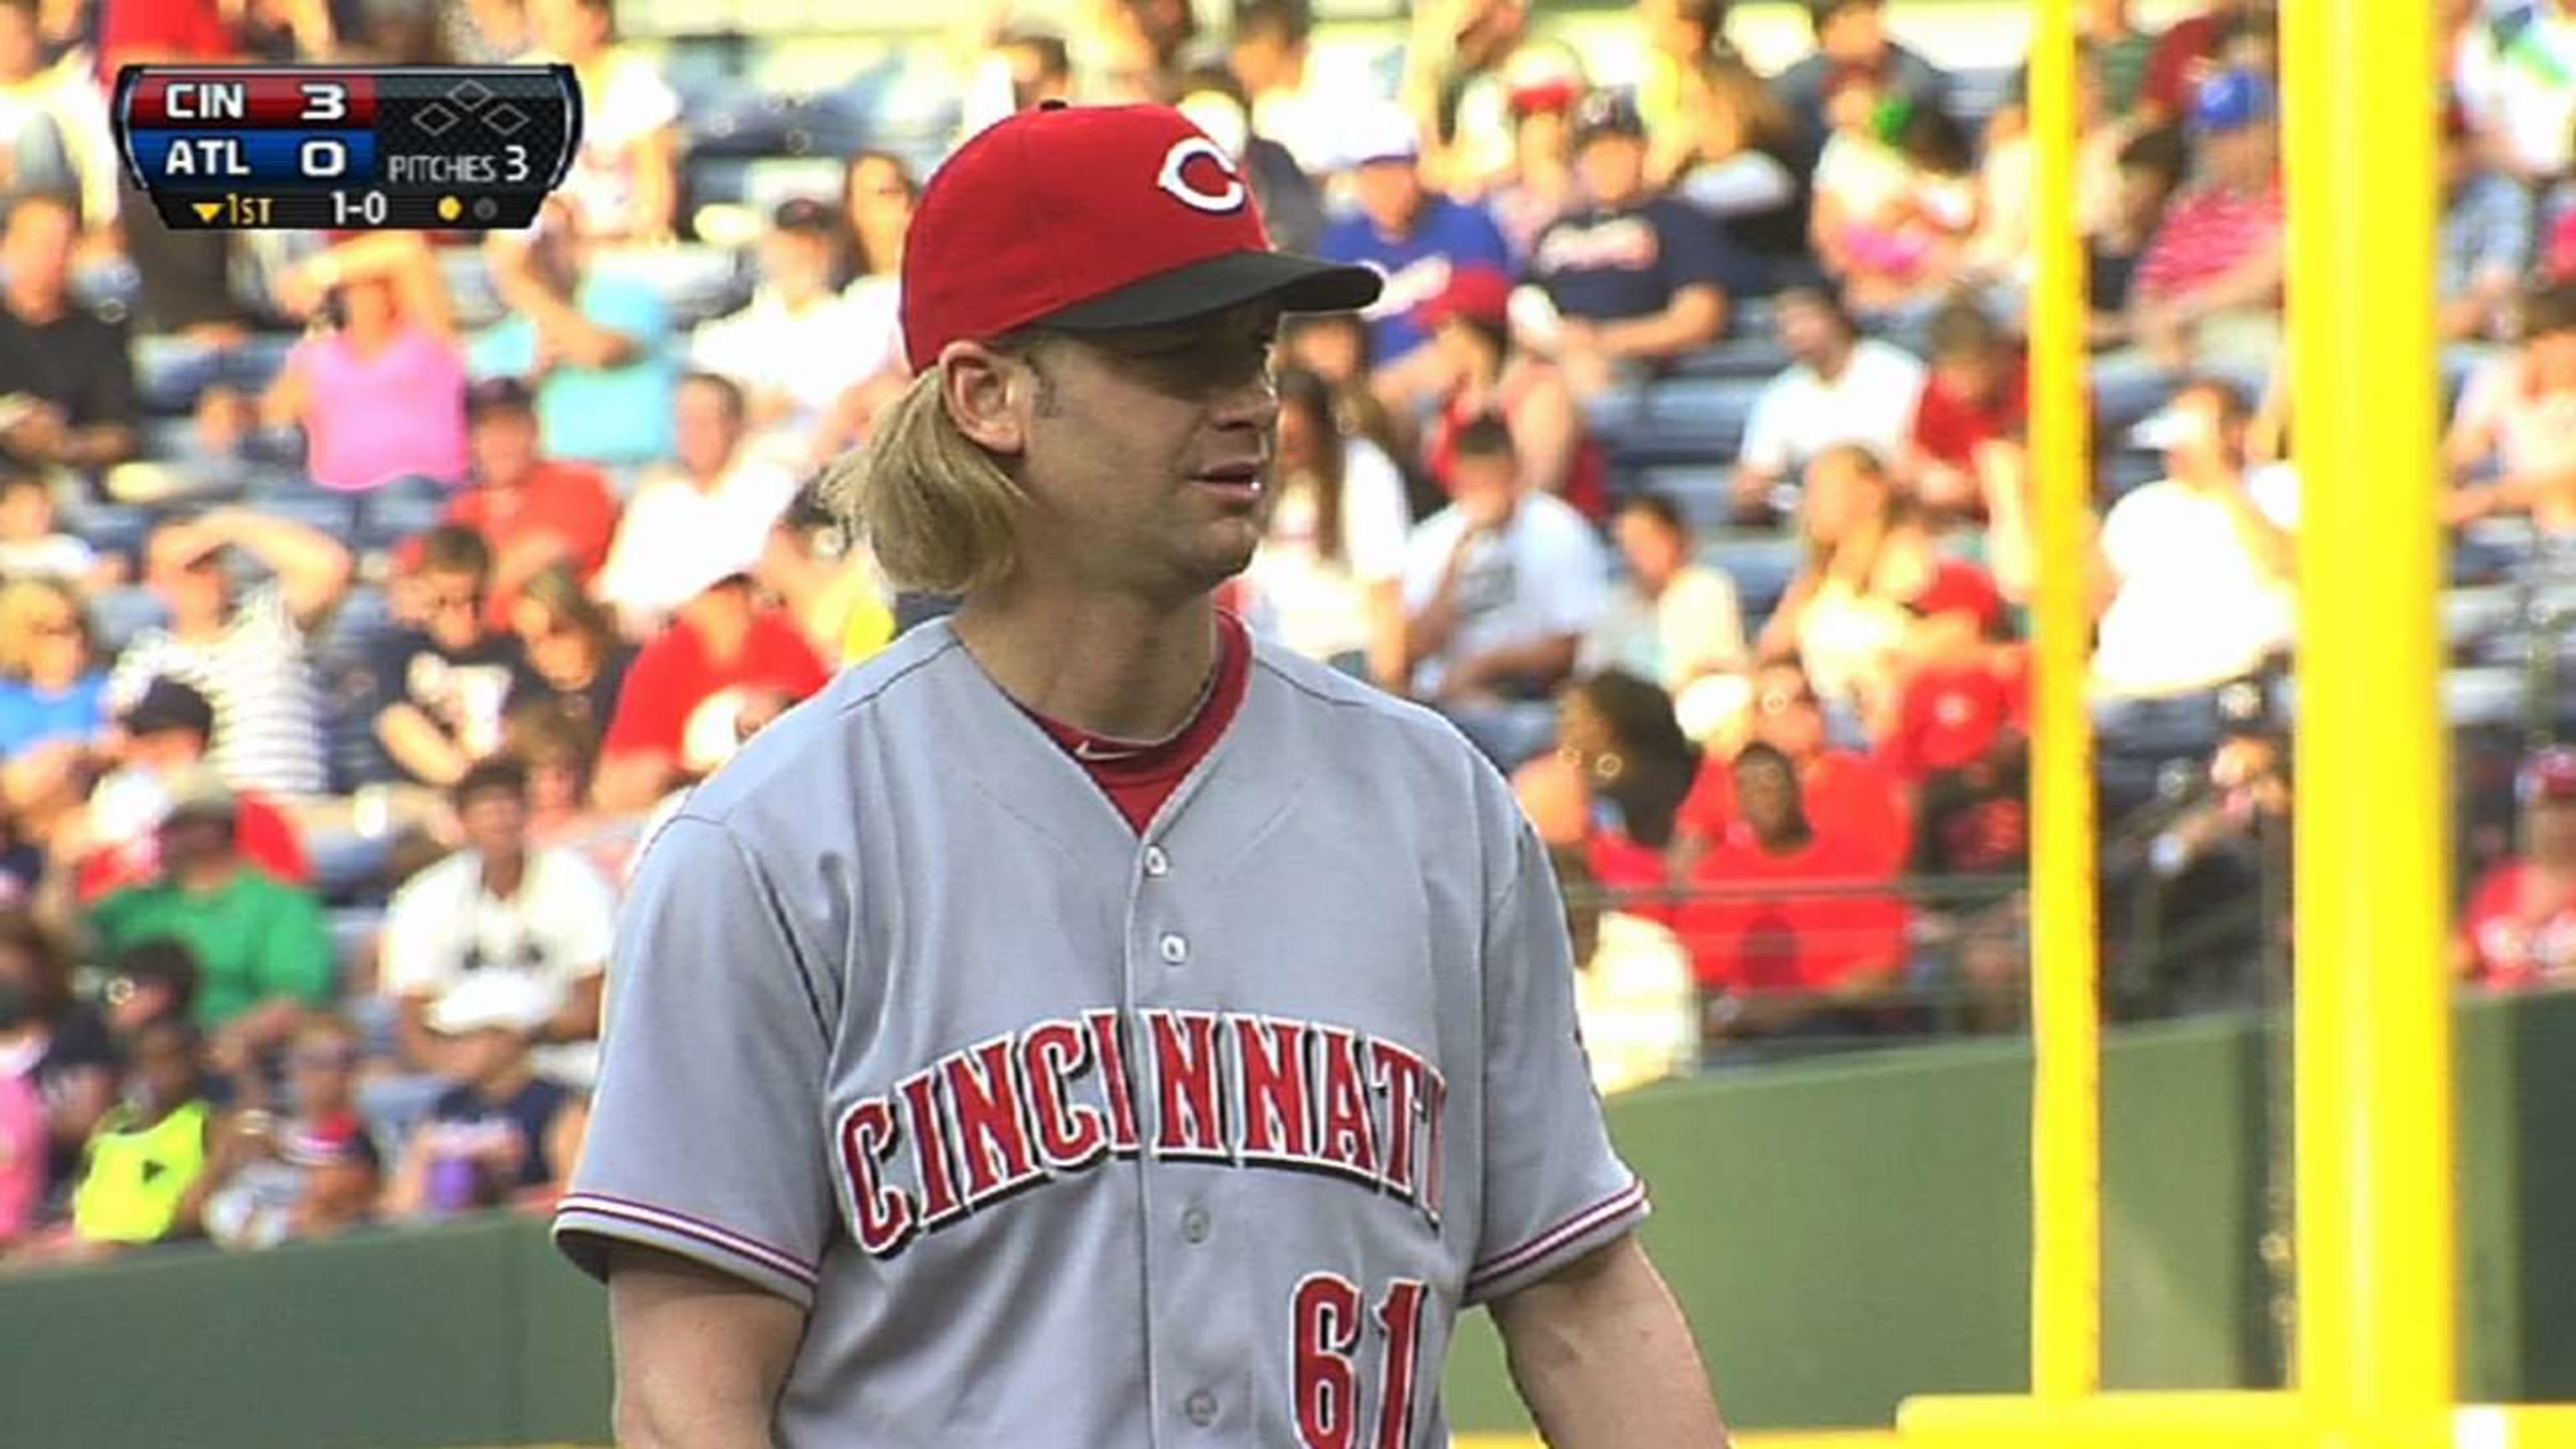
{"x":1055,"y":1099}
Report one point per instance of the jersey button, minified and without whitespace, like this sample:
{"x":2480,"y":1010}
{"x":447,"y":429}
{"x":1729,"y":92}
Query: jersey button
{"x":1175,"y":950}
{"x":1194,"y":1226}
{"x":1157,"y":864}
{"x":1201,"y":1407}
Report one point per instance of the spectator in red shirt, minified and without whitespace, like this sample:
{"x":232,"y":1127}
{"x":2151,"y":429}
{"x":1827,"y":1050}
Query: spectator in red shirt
{"x":1484,"y":374}
{"x":1846,"y":796}
{"x":534,"y":511}
{"x":2210,"y":283}
{"x":1791,"y":931}
{"x":678,"y":712}
{"x":163,"y":32}
{"x":1972,"y":421}
{"x":162,"y":736}
{"x":2520,"y":928}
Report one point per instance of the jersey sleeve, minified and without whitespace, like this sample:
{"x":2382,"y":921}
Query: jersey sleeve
{"x":705,"y":1133}
{"x":1554,"y":1188}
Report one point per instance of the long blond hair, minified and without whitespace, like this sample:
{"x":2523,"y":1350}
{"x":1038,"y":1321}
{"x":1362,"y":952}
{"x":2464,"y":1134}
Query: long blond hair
{"x":940,"y":513}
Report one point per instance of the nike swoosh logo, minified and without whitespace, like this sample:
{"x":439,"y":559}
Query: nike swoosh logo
{"x":1084,"y":751}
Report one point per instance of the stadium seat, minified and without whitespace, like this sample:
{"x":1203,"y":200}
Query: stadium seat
{"x":1762,"y":564}
{"x":121,"y":613}
{"x":354,"y":927}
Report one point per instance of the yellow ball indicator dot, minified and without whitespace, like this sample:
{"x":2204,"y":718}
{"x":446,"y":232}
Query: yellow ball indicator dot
{"x":449,"y":208}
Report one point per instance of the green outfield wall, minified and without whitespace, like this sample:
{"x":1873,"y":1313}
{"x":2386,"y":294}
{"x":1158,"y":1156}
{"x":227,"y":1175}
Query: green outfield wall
{"x":1843,"y":1234}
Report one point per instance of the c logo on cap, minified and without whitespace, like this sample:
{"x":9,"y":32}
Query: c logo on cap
{"x":1176,"y":160}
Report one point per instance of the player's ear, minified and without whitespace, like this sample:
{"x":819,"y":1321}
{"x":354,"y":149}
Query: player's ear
{"x":987,"y":395}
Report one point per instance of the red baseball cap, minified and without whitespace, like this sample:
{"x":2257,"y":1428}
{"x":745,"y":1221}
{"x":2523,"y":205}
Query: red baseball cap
{"x":1479,"y":294}
{"x":2548,"y":775}
{"x":1093,"y":218}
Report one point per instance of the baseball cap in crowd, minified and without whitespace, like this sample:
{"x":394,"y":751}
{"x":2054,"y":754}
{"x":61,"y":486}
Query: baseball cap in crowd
{"x":198,"y":793}
{"x":168,"y":704}
{"x":2231,"y":101}
{"x":1542,"y":78}
{"x":1382,"y":133}
{"x":334,"y":1141}
{"x":489,"y":1000}
{"x":1478,"y":294}
{"x":804,"y":215}
{"x":1093,"y":218}
{"x":498,"y":394}
{"x":2549,"y":775}
{"x":1607,"y":113}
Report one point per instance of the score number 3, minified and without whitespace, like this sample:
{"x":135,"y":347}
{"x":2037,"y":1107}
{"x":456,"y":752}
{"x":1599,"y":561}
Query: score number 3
{"x":1328,"y":1377}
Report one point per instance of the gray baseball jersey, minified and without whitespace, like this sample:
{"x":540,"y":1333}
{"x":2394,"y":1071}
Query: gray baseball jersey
{"x":1065,"y":1135}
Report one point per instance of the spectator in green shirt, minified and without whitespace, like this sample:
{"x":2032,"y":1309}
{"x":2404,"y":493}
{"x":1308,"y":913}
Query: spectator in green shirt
{"x":263,"y":947}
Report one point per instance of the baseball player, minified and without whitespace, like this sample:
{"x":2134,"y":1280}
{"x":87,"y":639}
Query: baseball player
{"x":1082,"y":1025}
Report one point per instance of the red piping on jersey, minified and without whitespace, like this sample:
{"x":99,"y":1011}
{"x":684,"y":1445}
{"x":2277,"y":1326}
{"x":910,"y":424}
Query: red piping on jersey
{"x":698,"y":1229}
{"x":1625,"y":1200}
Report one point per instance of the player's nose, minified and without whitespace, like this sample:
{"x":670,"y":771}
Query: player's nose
{"x":1247,"y":401}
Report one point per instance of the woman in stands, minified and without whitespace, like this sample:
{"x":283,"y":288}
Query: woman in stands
{"x":1615,"y":784}
{"x":573,"y":645}
{"x":1741,"y":167}
{"x":1543,"y":81}
{"x":1471,"y":331}
{"x":52,"y":687}
{"x":2518,"y":417}
{"x":379,"y":390}
{"x":877,"y":194}
{"x":1337,"y":347}
{"x":1877,"y":603}
{"x":1327,"y":577}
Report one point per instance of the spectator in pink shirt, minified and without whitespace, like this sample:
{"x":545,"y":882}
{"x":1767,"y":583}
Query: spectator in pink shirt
{"x":2211,"y":281}
{"x":382,"y":395}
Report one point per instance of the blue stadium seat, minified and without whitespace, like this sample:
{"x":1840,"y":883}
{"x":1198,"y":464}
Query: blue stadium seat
{"x":110,"y":528}
{"x":121,"y":613}
{"x":1762,"y":564}
{"x":1679,"y":420}
{"x":1703,"y":491}
{"x":695,"y":282}
{"x":2131,"y":468}
{"x":354,"y":927}
{"x":1747,"y":354}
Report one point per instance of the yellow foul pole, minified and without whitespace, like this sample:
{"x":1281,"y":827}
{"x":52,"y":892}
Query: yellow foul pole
{"x":2066,"y":1112}
{"x":2377,"y":1329}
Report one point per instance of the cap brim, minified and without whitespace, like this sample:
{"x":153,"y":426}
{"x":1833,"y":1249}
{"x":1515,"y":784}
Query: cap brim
{"x":1298,"y":284}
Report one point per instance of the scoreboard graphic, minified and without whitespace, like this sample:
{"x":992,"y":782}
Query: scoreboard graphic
{"x":456,"y":148}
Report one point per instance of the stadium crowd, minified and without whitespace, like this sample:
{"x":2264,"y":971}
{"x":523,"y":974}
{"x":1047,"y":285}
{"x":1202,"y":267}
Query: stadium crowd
{"x":364,"y":597}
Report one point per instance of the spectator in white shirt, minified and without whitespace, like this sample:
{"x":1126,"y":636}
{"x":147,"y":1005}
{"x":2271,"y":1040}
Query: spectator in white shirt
{"x":1844,"y":388}
{"x":1673,"y":620}
{"x":1499,"y":589}
{"x":1328,"y":577}
{"x":789,"y":348}
{"x":626,"y":178}
{"x":502,"y":905}
{"x":2515,"y":74}
{"x":2197,"y":582}
{"x":1633,"y":992}
{"x":696,"y":521}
